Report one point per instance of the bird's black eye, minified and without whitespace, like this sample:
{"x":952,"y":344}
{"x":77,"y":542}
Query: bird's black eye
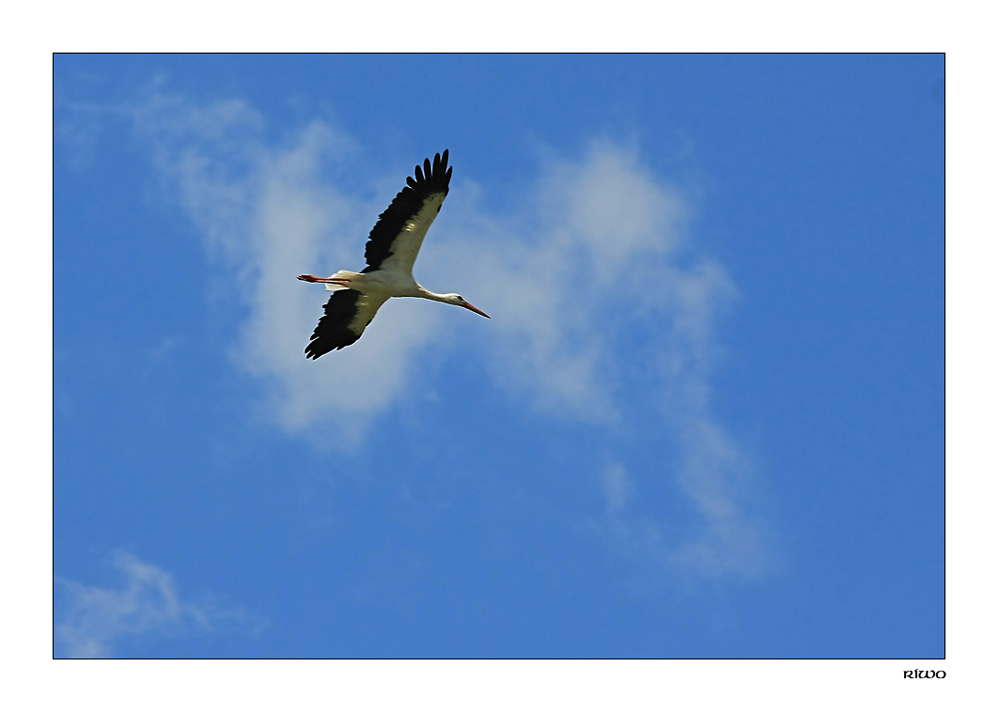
{"x":460,"y":298}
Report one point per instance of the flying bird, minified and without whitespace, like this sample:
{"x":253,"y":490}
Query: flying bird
{"x":393,"y":245}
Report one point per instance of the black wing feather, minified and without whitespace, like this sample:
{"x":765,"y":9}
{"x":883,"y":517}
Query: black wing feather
{"x":332,"y":332}
{"x":406,"y":204}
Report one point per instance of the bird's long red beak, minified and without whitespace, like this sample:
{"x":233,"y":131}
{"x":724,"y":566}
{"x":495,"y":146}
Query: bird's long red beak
{"x":475,"y":309}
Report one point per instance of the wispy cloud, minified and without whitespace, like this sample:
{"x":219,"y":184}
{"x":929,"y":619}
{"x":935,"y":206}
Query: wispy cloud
{"x":595,"y":290}
{"x":600,"y":307}
{"x":727,"y":538}
{"x":268,"y":213}
{"x":572,"y":278}
{"x":92,"y":620}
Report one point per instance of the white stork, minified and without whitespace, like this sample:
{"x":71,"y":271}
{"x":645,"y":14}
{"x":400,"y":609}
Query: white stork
{"x":391,"y":251}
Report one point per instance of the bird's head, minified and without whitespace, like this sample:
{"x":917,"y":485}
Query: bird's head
{"x":454,"y":299}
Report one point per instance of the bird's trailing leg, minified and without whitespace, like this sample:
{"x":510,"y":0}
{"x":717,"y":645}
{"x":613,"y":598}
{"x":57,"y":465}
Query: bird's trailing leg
{"x":324,"y":280}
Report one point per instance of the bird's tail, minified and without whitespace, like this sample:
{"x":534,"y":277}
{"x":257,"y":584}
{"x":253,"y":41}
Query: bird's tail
{"x":339,"y":281}
{"x":344,"y":277}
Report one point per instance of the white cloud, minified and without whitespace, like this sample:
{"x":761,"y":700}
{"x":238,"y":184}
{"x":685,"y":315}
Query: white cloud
{"x":92,"y":619}
{"x":605,"y":303}
{"x":567,"y":288}
{"x":726,"y":539}
{"x":267,"y":215}
{"x":714,"y":476}
{"x":594,"y":291}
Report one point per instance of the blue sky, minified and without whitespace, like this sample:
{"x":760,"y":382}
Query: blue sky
{"x":706,"y":419}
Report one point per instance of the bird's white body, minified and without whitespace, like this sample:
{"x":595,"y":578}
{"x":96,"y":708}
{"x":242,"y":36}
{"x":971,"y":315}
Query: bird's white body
{"x":392,"y":249}
{"x":384,"y":283}
{"x":390,"y":283}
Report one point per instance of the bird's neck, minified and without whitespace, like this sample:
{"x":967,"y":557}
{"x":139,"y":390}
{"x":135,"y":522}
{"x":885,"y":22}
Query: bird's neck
{"x":427,"y":294}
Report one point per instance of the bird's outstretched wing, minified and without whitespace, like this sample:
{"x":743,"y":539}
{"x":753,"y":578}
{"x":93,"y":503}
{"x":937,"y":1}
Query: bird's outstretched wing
{"x":348,"y":312}
{"x":395,"y":240}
